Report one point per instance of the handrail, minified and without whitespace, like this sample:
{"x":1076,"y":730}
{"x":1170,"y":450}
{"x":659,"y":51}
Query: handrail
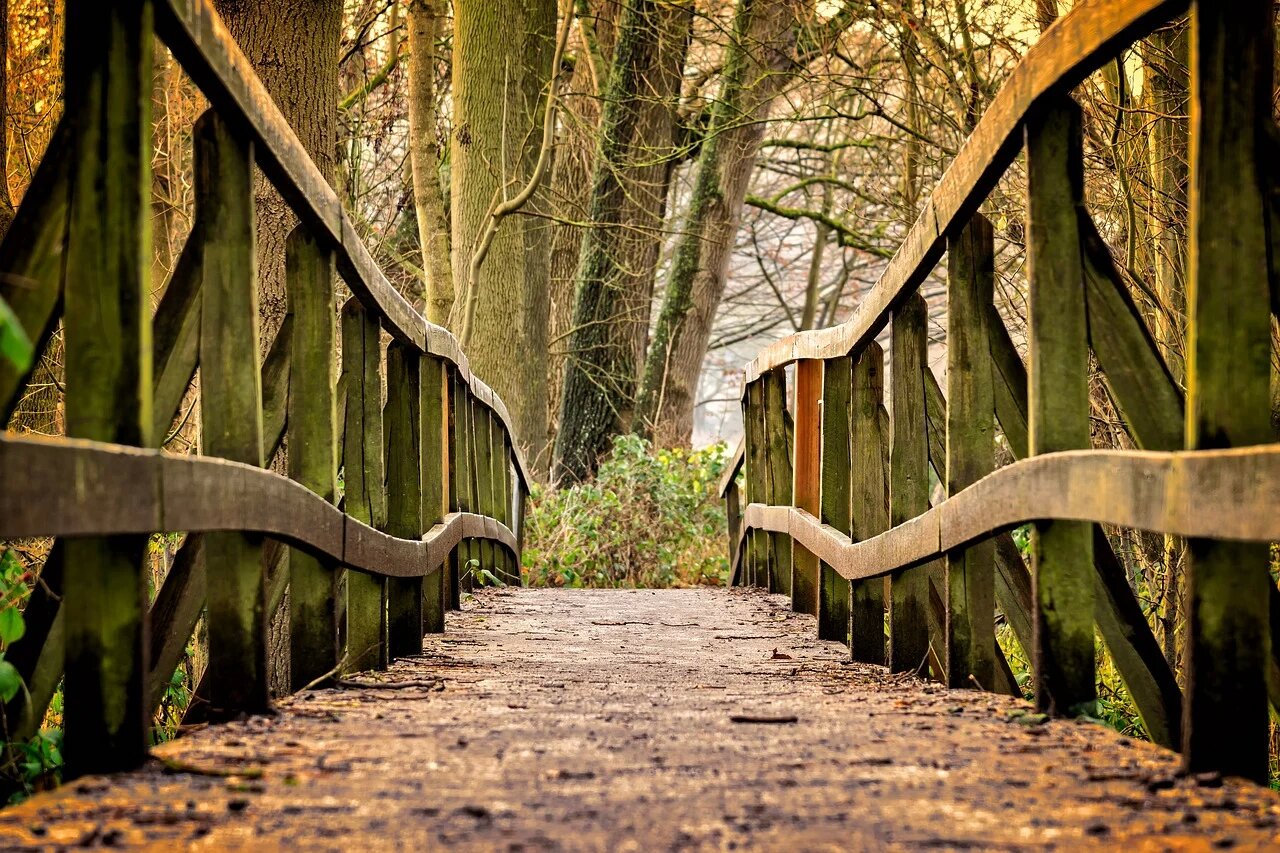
{"x":839,"y":497}
{"x":1077,"y":44}
{"x":57,"y":487}
{"x":440,"y":452}
{"x":199,"y":40}
{"x":1223,"y":494}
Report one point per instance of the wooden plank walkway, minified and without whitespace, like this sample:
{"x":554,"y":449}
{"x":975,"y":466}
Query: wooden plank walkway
{"x":549,"y":719}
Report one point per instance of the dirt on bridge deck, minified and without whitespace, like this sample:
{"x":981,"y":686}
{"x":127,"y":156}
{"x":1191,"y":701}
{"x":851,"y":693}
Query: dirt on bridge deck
{"x":648,"y":720}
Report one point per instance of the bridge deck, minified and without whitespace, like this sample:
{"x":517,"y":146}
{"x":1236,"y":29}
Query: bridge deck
{"x":591,"y":720}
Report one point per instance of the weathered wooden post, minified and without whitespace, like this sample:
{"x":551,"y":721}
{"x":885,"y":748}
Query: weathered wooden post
{"x":806,"y":484}
{"x":434,"y":413}
{"x":778,"y":484}
{"x":462,"y":482}
{"x":1058,"y":406}
{"x":756,"y":560}
{"x":970,"y":658}
{"x":1228,"y":404}
{"x":867,"y":494}
{"x":365,"y":497}
{"x":107,"y":328}
{"x":837,"y":509}
{"x":481,"y":495}
{"x":402,"y":429}
{"x":230,"y":413}
{"x":909,"y":480}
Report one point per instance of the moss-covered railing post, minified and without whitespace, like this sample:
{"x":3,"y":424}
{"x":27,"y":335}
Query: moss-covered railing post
{"x":433,"y":378}
{"x":1058,"y":406}
{"x":908,"y":479}
{"x":231,"y":414}
{"x":970,"y":599}
{"x":107,"y":333}
{"x":363,"y":480}
{"x":1228,"y":375}
{"x":756,"y":559}
{"x":778,"y":483}
{"x":402,"y":424}
{"x":836,"y":507}
{"x":867,"y":495}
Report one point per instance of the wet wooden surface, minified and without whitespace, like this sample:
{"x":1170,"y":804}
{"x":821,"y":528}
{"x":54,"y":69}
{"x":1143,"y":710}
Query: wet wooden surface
{"x":547,"y":719}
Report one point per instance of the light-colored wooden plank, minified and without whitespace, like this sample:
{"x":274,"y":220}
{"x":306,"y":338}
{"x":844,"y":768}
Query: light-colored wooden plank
{"x":806,"y":487}
{"x":909,"y":481}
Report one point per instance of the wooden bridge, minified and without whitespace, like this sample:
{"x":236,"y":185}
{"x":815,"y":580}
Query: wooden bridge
{"x":708,"y":718}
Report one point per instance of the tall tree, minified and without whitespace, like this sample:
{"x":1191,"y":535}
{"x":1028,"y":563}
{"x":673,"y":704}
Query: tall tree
{"x":502,"y":51}
{"x":426,"y":23}
{"x":620,"y":250}
{"x":762,"y":56}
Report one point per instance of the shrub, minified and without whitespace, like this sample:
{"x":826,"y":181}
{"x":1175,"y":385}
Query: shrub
{"x":651,"y":518}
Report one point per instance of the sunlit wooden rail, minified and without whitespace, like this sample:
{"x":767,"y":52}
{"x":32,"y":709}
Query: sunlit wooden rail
{"x":433,"y":484}
{"x":833,"y":505}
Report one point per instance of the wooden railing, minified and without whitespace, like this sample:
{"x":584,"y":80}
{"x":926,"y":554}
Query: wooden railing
{"x":433,"y":485}
{"x":837,"y":488}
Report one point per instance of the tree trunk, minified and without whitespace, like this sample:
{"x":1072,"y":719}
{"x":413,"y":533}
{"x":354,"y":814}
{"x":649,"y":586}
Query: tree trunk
{"x":426,"y":19}
{"x":758,"y":66}
{"x":293,"y":47}
{"x":501,"y":53}
{"x":615,"y":277}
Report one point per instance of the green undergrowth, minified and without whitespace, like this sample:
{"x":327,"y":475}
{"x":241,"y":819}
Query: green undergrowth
{"x":650,"y":518}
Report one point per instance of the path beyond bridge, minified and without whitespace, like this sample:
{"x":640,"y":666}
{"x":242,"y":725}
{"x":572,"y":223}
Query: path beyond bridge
{"x":648,"y":720}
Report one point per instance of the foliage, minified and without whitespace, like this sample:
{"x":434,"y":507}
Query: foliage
{"x":15,"y":346}
{"x":34,"y":764}
{"x":651,"y":518}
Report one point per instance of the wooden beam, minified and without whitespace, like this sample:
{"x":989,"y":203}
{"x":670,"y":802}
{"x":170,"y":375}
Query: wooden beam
{"x":312,"y":462}
{"x":1228,"y":376}
{"x":365,"y":496}
{"x":402,"y":430}
{"x":970,"y":636}
{"x":756,"y":477}
{"x":32,"y":257}
{"x":837,"y":507}
{"x":909,"y":481}
{"x":778,"y":490}
{"x":434,"y":419}
{"x":868,"y":496}
{"x":807,"y":483}
{"x":107,"y":334}
{"x":231,"y":414}
{"x":1225,"y":494}
{"x":1058,"y":329}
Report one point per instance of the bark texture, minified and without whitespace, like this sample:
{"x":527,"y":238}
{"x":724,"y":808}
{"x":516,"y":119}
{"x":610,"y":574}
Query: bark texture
{"x":425,"y":24}
{"x":501,"y":66}
{"x":293,"y":46}
{"x":614,"y":282}
{"x":759,"y":64}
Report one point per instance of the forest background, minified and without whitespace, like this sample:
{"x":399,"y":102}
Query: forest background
{"x":614,"y":204}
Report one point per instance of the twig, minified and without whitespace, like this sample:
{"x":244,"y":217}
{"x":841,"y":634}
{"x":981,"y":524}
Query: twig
{"x":436,"y":684}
